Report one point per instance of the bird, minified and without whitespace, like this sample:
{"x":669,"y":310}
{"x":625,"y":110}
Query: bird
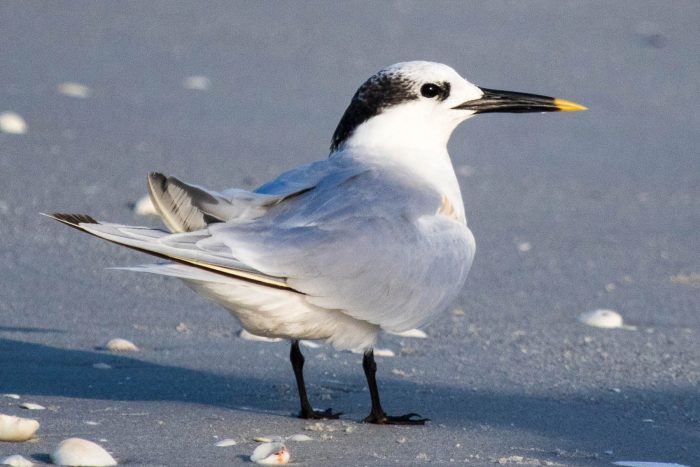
{"x":371,"y":239}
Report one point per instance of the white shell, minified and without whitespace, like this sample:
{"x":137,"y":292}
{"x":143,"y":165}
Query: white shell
{"x":198,"y":83}
{"x":384,"y":353}
{"x":16,"y":461}
{"x":524,"y":247}
{"x":32,"y":406}
{"x":81,"y":452}
{"x":245,"y":335}
{"x":16,"y":428}
{"x":121,"y":345}
{"x":412,"y":333}
{"x":299,"y":437}
{"x":268,"y":439}
{"x":602,"y":318}
{"x":102,"y":366}
{"x":647,"y":464}
{"x":11,"y":396}
{"x":74,"y":90}
{"x":224,"y":443}
{"x":144,"y":207}
{"x":270,"y":454}
{"x":13,"y":123}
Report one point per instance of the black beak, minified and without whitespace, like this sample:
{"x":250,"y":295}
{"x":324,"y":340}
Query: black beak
{"x":517,"y":102}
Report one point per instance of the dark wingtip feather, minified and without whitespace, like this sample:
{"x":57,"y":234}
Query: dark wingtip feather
{"x":74,"y":220}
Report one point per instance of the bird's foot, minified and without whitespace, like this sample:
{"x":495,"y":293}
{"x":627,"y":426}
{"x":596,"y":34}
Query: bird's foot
{"x":311,"y":414}
{"x":384,"y":419}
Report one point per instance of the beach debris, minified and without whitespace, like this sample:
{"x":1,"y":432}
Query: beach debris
{"x":270,"y":454}
{"x":299,"y":437}
{"x":384,"y":353}
{"x":102,"y":366}
{"x":72,"y":89}
{"x":524,"y":247}
{"x":417,"y":333}
{"x":248,"y":336}
{"x":16,"y":461}
{"x":224,"y":443}
{"x":81,"y":452}
{"x":12,"y":123}
{"x":121,"y":345}
{"x":144,"y":207}
{"x":32,"y":406}
{"x":603,"y":318}
{"x":647,"y":464}
{"x":17,"y":429}
{"x":182,"y":328}
{"x":197,"y":83}
{"x":692,"y":279}
{"x":11,"y":396}
{"x":268,"y":439}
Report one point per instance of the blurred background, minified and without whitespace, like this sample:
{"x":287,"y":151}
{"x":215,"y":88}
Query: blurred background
{"x":571,"y":212}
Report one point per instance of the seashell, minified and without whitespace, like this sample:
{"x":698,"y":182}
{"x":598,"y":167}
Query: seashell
{"x":647,"y":464}
{"x":411,"y":333}
{"x":16,"y":428}
{"x":224,"y":443}
{"x":268,"y":439}
{"x":32,"y":406}
{"x":81,"y":452}
{"x":384,"y":353}
{"x":602,"y":318}
{"x":524,"y":247}
{"x":16,"y":461}
{"x":299,"y":437}
{"x":12,"y":123}
{"x":245,"y":335}
{"x":197,"y":83}
{"x":71,"y":89}
{"x":11,"y":396}
{"x":270,"y":454}
{"x":121,"y":345}
{"x":144,"y":207}
{"x":102,"y":366}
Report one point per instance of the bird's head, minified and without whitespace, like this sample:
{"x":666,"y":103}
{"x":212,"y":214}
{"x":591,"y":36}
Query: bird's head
{"x":419,"y":104}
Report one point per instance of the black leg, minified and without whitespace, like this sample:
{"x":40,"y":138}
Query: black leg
{"x":377,"y":415}
{"x":307,"y":411}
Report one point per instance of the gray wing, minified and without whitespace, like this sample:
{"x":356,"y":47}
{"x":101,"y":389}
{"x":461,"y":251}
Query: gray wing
{"x":372,"y":245}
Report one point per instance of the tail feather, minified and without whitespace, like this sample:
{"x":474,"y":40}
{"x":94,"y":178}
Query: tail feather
{"x":154,"y":242}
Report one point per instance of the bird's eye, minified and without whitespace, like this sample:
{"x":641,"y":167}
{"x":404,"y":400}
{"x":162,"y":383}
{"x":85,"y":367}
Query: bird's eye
{"x":430,"y":90}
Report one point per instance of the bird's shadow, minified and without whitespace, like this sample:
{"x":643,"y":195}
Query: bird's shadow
{"x":587,"y":421}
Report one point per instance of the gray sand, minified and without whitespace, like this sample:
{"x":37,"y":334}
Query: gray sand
{"x":608,"y":199}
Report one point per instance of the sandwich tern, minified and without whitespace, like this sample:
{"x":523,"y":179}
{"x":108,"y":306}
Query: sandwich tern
{"x":372,"y":238}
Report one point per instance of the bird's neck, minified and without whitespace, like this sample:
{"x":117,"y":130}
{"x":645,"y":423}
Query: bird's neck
{"x":418,"y":147}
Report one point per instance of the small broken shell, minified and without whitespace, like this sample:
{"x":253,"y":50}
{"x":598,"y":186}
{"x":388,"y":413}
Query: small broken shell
{"x":16,"y":461}
{"x":32,"y":406}
{"x":71,"y":89}
{"x":81,"y":452}
{"x":16,"y":428}
{"x":121,"y":345}
{"x":384,"y":353}
{"x":197,"y":83}
{"x":270,"y":454}
{"x":310,"y":344}
{"x":299,"y":437}
{"x":12,"y":123}
{"x":602,"y":318}
{"x":224,"y":443}
{"x":102,"y":366}
{"x":11,"y":396}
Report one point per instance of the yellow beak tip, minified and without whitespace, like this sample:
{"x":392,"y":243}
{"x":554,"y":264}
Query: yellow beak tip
{"x":568,"y":106}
